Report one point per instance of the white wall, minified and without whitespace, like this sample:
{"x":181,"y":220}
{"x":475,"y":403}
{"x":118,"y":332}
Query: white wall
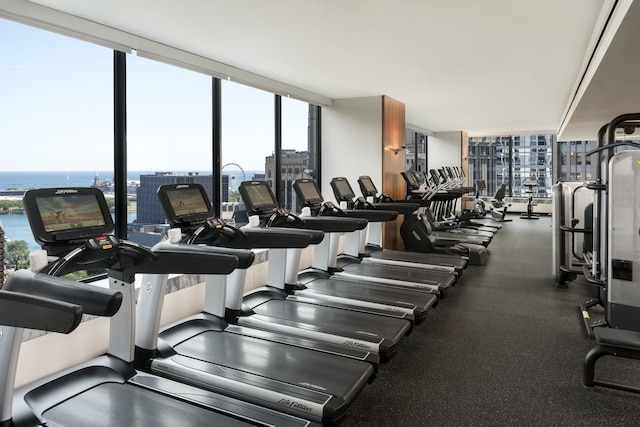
{"x":352,"y":142}
{"x":444,"y":149}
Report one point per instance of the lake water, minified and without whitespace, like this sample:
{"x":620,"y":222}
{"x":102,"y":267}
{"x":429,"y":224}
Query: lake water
{"x":27,"y":180}
{"x":16,"y":227}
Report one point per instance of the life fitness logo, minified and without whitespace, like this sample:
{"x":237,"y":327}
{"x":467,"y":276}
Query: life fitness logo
{"x":182,"y":186}
{"x":66,"y":191}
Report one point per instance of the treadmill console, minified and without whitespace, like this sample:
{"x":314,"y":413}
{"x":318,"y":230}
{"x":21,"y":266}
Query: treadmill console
{"x":185,"y":205}
{"x":367,"y":187}
{"x":258,"y":197}
{"x":63,"y":218}
{"x":308,"y":192}
{"x":342,"y":190}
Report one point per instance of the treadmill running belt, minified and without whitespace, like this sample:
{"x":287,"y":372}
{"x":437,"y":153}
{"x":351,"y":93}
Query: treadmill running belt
{"x":113,"y":404}
{"x":293,"y":365}
{"x":366,"y":326}
{"x":404,"y":274}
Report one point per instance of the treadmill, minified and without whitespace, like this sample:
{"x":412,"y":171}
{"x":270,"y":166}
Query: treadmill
{"x":269,"y":309}
{"x":260,"y":201}
{"x":373,"y":251}
{"x":350,"y":264}
{"x":445,"y":196}
{"x":453,"y":178}
{"x":74,"y":226}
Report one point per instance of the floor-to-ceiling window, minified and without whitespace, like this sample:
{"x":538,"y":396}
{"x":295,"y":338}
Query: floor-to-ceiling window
{"x":57,"y":119}
{"x":56,"y":122}
{"x":489,"y":161}
{"x":415,"y":150}
{"x":297,"y":156}
{"x":248,"y":128}
{"x":522,"y":162}
{"x":531,"y":166}
{"x":169,"y":133}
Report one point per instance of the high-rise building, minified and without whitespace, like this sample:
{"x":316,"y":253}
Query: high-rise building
{"x":149,"y":210}
{"x":225,"y":188}
{"x":295,"y":165}
{"x":517,"y":161}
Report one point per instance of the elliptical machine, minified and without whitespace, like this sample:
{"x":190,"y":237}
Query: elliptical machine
{"x":529,"y":184}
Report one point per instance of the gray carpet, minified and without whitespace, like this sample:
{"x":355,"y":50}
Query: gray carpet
{"x":505,"y":347}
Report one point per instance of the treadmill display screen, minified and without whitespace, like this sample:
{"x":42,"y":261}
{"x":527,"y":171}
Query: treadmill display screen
{"x":309,"y":191}
{"x":344,"y":189}
{"x":69,"y":212}
{"x":368,"y":186}
{"x":187,"y":202}
{"x":260,"y":196}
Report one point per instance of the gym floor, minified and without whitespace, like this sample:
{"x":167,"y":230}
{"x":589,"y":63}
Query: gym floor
{"x":505,"y":347}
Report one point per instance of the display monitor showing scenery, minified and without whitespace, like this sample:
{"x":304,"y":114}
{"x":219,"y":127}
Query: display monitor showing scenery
{"x":308,"y":192}
{"x":367,"y":187}
{"x":258,"y":196}
{"x":184,"y":203}
{"x":67,"y":214}
{"x":342,"y":189}
{"x":187,"y":202}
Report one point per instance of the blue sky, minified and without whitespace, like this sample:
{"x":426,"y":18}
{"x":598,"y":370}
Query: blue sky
{"x":56,"y":110}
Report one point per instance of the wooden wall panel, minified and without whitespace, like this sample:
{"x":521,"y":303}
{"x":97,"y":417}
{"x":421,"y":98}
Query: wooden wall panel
{"x":393,"y":162}
{"x":467,"y":202}
{"x":464,"y":163}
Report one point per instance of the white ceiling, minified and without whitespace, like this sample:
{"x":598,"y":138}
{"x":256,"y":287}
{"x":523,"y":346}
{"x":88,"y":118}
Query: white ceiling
{"x":485,"y":67}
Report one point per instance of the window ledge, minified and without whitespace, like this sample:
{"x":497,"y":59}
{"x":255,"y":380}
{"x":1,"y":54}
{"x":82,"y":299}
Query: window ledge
{"x":175,"y":283}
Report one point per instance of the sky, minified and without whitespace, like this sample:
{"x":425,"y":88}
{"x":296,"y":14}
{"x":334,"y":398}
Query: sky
{"x":56,"y":110}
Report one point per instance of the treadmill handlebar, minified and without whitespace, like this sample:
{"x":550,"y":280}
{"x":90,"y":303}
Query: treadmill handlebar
{"x":337,"y":224}
{"x":33,"y":312}
{"x":279,"y":238}
{"x":93,"y":300}
{"x":123,"y":259}
{"x":194,"y":259}
{"x":372,"y":215}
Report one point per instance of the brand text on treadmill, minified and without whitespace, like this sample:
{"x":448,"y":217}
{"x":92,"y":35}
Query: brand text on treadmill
{"x":295,"y":405}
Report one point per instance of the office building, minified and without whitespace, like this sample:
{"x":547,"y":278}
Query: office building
{"x":148,"y":208}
